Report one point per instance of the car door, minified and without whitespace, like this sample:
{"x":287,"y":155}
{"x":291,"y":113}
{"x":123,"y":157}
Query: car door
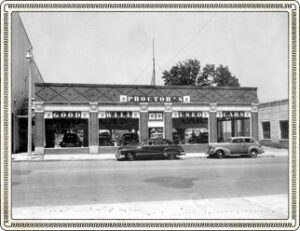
{"x":158,"y":147}
{"x":237,"y":146}
{"x":248,"y":143}
{"x":150,"y":149}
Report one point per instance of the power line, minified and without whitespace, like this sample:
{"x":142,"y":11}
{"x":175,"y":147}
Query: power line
{"x":193,"y":37}
{"x":144,"y":69}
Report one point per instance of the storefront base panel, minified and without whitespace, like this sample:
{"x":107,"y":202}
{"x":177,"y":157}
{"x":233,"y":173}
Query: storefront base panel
{"x":195,"y":148}
{"x":67,"y":151}
{"x":107,"y":149}
{"x":280,"y":144}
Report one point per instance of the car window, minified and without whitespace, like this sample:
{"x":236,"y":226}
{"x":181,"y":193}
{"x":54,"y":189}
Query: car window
{"x":249,"y":140}
{"x":239,"y":140}
{"x":158,"y":142}
{"x":168,"y":142}
{"x":142,"y":143}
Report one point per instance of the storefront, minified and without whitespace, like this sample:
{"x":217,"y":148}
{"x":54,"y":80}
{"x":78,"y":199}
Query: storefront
{"x":98,"y":116}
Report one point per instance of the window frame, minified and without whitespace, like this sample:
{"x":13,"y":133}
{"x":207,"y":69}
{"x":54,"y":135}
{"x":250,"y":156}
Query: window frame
{"x":264,"y":132}
{"x":281,"y":122}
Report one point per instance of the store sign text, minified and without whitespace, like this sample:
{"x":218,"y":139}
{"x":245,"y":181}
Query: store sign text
{"x":233,"y":114}
{"x":160,"y":99}
{"x":118,"y":114}
{"x":66,"y":114}
{"x":190,"y":114}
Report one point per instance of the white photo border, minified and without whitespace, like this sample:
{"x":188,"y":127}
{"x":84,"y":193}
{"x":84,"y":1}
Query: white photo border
{"x":291,"y":7}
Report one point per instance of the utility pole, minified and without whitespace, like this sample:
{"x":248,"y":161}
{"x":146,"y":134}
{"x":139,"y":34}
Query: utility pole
{"x":153,"y":74}
{"x":29,"y":136}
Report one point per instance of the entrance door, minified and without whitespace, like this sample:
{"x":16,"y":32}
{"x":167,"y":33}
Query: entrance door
{"x":156,"y":132}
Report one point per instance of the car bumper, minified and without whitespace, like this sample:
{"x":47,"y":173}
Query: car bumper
{"x":120,"y":156}
{"x":210,"y":152}
{"x":182,"y":153}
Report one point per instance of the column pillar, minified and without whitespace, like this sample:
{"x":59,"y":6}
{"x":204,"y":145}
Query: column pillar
{"x":143,"y":123}
{"x":39,"y":134}
{"x":168,"y":122}
{"x":213,"y":135}
{"x":93,"y":128}
{"x":254,"y":121}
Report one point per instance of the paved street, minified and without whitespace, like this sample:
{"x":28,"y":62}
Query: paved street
{"x":69,"y":183}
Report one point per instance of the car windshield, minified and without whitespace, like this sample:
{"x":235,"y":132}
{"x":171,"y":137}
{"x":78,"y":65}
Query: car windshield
{"x":70,"y":138}
{"x":142,"y":143}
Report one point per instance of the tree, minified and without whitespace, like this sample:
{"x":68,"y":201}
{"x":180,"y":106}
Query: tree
{"x":189,"y":73}
{"x":225,"y":78}
{"x":184,"y":73}
{"x":207,"y":76}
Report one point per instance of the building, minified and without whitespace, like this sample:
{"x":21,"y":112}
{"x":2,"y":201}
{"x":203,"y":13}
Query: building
{"x":100,"y":115}
{"x":19,"y":74}
{"x":273,"y":121}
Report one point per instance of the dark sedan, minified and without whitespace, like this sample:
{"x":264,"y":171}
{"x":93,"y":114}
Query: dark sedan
{"x":71,"y":140}
{"x":150,"y":148}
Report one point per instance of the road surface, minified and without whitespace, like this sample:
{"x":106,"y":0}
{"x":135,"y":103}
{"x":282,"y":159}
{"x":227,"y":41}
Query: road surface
{"x":56,"y":183}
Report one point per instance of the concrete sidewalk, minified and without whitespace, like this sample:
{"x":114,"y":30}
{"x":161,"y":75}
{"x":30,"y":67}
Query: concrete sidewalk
{"x":251,"y":207}
{"x":269,"y":152}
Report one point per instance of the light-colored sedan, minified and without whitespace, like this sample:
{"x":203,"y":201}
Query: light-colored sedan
{"x":236,"y":146}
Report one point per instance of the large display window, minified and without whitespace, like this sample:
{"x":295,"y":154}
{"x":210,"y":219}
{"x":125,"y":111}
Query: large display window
{"x":118,"y":128}
{"x":232,"y":124}
{"x":190,"y":127}
{"x":65,"y":133}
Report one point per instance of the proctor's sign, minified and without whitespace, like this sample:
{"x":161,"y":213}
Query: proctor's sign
{"x":154,"y":99}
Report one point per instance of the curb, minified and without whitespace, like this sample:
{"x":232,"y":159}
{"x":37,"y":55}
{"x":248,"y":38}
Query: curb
{"x":72,"y":157}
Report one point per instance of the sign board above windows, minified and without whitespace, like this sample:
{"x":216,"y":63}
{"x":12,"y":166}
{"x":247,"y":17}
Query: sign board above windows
{"x":66,"y":115}
{"x":157,"y":116}
{"x":154,"y":99}
{"x":233,"y":114}
{"x":118,"y":114}
{"x":190,"y":114}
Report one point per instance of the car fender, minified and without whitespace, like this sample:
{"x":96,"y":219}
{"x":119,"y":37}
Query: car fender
{"x":168,"y":151}
{"x":259,"y":150}
{"x":225,"y":150}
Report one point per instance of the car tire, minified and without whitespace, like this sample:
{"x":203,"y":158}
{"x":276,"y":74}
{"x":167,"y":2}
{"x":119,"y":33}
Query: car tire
{"x":172,"y":156}
{"x":220,"y":154}
{"x":253,"y":153}
{"x":130,"y":156}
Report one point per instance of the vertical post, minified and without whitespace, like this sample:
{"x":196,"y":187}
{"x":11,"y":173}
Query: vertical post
{"x":143,"y":121}
{"x":39,"y":137}
{"x":93,"y":128}
{"x":254,"y":121}
{"x":153,"y":74}
{"x":168,"y":121}
{"x":213,"y":129}
{"x":29,"y":136}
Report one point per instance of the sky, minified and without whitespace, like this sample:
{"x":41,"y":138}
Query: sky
{"x":116,"y":47}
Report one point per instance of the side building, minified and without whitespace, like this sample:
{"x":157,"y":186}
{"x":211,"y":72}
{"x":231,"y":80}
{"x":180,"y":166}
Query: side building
{"x":19,"y":76}
{"x":100,"y":115}
{"x":273,"y":121}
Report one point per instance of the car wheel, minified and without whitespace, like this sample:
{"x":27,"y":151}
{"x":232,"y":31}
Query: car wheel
{"x":172,"y":156}
{"x":253,"y":153}
{"x":220,"y":154}
{"x":130,"y":156}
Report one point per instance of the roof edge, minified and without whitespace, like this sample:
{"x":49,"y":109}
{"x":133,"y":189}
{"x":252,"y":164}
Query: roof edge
{"x":134,"y":85}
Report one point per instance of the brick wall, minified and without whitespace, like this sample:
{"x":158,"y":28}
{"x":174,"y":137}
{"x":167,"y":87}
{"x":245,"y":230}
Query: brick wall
{"x":273,"y":112}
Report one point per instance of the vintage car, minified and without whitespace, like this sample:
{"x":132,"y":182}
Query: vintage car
{"x":71,"y":140}
{"x":247,"y":146}
{"x":150,"y":148}
{"x":129,"y":139}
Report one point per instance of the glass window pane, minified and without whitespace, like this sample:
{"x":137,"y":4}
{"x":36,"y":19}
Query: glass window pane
{"x":266,"y":130}
{"x":284,"y":129}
